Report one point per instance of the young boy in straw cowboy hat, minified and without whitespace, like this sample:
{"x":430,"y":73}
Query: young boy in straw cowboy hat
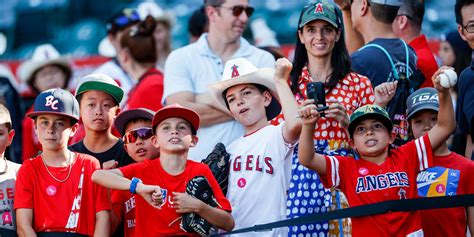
{"x":45,"y":70}
{"x":54,"y":191}
{"x":260,"y":160}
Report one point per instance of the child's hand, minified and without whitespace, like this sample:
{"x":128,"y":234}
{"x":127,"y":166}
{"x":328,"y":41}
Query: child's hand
{"x":436,"y":79}
{"x":282,"y":69}
{"x":151,"y":193}
{"x":108,"y":165}
{"x":338,"y":112}
{"x":184,"y":203}
{"x":385,"y":92}
{"x":308,"y":113}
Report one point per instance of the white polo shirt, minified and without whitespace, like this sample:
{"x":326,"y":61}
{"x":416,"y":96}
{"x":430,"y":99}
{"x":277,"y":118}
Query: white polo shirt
{"x":192,"y":68}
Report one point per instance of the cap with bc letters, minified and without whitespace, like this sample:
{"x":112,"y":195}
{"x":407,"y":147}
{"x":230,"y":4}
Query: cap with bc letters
{"x":56,"y":101}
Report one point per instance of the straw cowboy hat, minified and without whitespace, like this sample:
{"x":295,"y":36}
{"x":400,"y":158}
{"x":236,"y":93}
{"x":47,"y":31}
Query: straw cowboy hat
{"x":241,"y":71}
{"x":44,"y":55}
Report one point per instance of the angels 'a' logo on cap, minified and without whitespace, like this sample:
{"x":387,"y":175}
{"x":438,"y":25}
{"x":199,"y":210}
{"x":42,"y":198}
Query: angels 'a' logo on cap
{"x":319,"y":8}
{"x":235,"y":72}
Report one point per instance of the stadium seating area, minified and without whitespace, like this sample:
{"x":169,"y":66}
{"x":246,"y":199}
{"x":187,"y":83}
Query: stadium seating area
{"x":75,"y":27}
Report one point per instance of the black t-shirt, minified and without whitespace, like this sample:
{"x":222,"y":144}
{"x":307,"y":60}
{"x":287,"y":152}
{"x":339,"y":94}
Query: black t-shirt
{"x":465,"y":102}
{"x":117,"y":152}
{"x":374,"y":63}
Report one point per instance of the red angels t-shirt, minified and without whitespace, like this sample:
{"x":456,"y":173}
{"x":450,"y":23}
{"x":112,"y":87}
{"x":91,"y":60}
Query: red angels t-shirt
{"x":152,"y":221}
{"x":68,"y":206}
{"x":450,"y":175}
{"x":123,"y":205}
{"x":365,"y":182}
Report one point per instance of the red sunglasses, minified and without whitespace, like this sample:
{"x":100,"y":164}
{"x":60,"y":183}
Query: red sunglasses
{"x":132,"y":136}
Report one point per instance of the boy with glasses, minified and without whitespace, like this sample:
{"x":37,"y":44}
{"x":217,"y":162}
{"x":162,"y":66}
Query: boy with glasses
{"x":464,"y":10}
{"x":135,"y":127}
{"x":190,"y":69}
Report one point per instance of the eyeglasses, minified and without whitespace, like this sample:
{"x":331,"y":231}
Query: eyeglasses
{"x":132,"y":136}
{"x":469,"y":27}
{"x":237,"y":10}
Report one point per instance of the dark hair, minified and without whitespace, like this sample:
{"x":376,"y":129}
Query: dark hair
{"x":139,"y":40}
{"x":457,"y":9}
{"x":136,"y":120}
{"x":198,"y":22}
{"x":414,"y":10}
{"x":340,"y":60}
{"x":213,"y":2}
{"x":80,"y":96}
{"x":260,"y":88}
{"x":384,"y":13}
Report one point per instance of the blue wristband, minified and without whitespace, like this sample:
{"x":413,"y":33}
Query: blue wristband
{"x":133,"y":185}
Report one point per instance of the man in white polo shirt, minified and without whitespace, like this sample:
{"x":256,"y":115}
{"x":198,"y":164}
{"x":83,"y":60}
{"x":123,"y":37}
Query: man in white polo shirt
{"x":190,"y":69}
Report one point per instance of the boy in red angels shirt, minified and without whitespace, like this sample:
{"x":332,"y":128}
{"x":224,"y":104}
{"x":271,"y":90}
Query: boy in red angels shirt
{"x":54,"y":191}
{"x":161,"y":182}
{"x":380,"y":173}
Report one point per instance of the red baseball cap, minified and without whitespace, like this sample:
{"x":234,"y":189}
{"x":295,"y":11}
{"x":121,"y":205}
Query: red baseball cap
{"x":176,"y":111}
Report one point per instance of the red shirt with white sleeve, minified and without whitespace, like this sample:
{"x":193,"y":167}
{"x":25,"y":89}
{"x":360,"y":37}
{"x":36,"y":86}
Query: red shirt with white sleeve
{"x":365,"y":182}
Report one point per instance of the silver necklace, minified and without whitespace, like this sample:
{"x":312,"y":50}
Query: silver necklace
{"x":68,"y":173}
{"x":6,"y":166}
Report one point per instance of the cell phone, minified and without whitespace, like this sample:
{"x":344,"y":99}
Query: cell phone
{"x":315,"y":91}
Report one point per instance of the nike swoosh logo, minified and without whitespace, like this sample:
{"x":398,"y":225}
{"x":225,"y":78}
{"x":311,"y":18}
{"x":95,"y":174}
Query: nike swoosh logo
{"x":427,"y":183}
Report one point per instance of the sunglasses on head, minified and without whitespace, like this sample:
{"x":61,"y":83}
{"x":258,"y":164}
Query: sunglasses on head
{"x":237,"y":10}
{"x":132,"y":136}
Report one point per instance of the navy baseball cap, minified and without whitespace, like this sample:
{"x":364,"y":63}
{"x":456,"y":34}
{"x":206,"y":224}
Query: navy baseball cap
{"x":56,"y":101}
{"x":425,"y":98}
{"x":122,"y":20}
{"x":128,"y":115}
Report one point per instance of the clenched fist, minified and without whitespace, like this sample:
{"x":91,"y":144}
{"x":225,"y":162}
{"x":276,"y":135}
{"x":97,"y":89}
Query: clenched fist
{"x":282,"y":69}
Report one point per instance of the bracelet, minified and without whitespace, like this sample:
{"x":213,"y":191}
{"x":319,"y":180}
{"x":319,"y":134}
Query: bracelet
{"x":133,"y":185}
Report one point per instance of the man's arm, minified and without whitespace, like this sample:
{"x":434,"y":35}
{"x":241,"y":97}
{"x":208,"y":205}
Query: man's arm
{"x":470,"y":219}
{"x":292,"y":125}
{"x":24,"y":222}
{"x":102,"y":224}
{"x":446,"y":121}
{"x":354,"y":39}
{"x":209,"y":115}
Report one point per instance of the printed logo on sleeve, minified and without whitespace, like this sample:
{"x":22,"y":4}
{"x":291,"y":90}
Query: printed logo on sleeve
{"x":438,"y":181}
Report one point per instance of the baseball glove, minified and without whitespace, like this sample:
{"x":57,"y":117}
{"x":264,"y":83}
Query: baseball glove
{"x":218,"y":162}
{"x":198,"y":187}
